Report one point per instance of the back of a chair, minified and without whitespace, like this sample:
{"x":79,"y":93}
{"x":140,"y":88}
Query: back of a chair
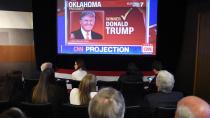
{"x":133,"y":112}
{"x":62,"y":85}
{"x":103,"y":84}
{"x":165,"y":112}
{"x":28,"y":87}
{"x":37,"y":110}
{"x":132,"y":92}
{"x":78,"y":111}
{"x":74,"y":83}
{"x":4,"y":105}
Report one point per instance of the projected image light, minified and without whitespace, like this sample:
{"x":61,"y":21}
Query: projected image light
{"x":122,"y":27}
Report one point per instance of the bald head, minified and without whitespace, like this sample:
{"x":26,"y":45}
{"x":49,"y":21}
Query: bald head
{"x":192,"y":107}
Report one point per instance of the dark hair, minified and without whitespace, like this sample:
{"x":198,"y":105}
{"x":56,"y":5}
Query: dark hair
{"x":132,"y":68}
{"x":80,"y":64}
{"x":40,"y":91}
{"x":157,"y":65}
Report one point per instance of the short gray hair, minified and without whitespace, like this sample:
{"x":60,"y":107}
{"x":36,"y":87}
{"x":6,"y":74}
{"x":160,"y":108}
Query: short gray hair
{"x":108,"y":103}
{"x":165,"y":81}
{"x":184,"y":112}
{"x":46,"y":65}
{"x":87,"y":13}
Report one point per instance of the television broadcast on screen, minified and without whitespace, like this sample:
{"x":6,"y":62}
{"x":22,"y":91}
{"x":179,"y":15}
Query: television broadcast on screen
{"x":116,"y":27}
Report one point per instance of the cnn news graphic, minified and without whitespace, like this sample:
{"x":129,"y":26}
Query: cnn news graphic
{"x":123,"y":27}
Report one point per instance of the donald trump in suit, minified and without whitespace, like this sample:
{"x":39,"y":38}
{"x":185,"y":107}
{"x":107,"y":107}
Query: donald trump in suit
{"x":87,"y":22}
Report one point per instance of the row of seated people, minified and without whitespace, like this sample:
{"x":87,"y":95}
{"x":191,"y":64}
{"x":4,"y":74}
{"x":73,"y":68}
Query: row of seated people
{"x":48,"y":91}
{"x":109,"y":103}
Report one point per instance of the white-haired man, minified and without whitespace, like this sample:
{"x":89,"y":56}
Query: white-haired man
{"x":164,"y":96}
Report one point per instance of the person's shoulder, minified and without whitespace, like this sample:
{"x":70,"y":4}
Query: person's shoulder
{"x":74,"y":91}
{"x":152,"y":95}
{"x":96,"y":35}
{"x":177,"y":93}
{"x":92,"y":94}
{"x":76,"y":72}
{"x":76,"y":31}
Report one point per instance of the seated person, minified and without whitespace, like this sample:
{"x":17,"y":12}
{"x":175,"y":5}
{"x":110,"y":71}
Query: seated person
{"x":132,"y":74}
{"x":107,"y":103}
{"x":192,"y":107}
{"x":156,"y":67}
{"x":13,"y":112}
{"x":86,"y":90}
{"x":12,"y":87}
{"x":164,"y":97}
{"x":47,"y":91}
{"x":43,"y":66}
{"x":80,"y":71}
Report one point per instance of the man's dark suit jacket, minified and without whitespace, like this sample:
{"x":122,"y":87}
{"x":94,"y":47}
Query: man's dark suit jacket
{"x":78,"y":35}
{"x":163,"y":99}
{"x":160,"y":99}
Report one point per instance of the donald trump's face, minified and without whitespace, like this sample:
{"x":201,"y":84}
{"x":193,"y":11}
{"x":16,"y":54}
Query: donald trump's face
{"x":87,"y":22}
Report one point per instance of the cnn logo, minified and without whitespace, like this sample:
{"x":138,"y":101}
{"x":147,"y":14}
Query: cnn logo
{"x":78,"y":49}
{"x":147,"y":49}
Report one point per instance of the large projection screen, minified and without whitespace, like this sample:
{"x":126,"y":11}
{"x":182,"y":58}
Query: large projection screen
{"x":117,"y":27}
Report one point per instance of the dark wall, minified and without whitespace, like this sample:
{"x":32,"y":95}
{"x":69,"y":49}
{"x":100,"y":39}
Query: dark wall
{"x":44,"y":21}
{"x":186,"y":66}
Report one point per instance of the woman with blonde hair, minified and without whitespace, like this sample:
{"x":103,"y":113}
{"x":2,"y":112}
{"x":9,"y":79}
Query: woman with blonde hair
{"x":86,"y":90}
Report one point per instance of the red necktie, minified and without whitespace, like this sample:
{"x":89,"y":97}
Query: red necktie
{"x":87,"y":35}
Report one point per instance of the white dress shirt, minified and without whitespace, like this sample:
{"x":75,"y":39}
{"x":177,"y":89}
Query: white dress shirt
{"x":79,"y":74}
{"x":74,"y":96}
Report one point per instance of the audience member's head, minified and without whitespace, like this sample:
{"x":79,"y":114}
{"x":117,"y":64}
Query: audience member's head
{"x":107,"y":103}
{"x":192,"y":107}
{"x":165,"y":81}
{"x":156,"y":66}
{"x":132,"y":68}
{"x":11,"y":84}
{"x":46,"y":65}
{"x":13,"y":113}
{"x":79,"y":64}
{"x":87,"y":85}
{"x":40,"y":90}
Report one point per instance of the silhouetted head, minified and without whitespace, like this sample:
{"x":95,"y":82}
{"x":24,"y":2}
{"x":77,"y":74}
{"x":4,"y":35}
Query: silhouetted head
{"x":156,"y":66}
{"x":132,"y":68}
{"x":79,"y":63}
